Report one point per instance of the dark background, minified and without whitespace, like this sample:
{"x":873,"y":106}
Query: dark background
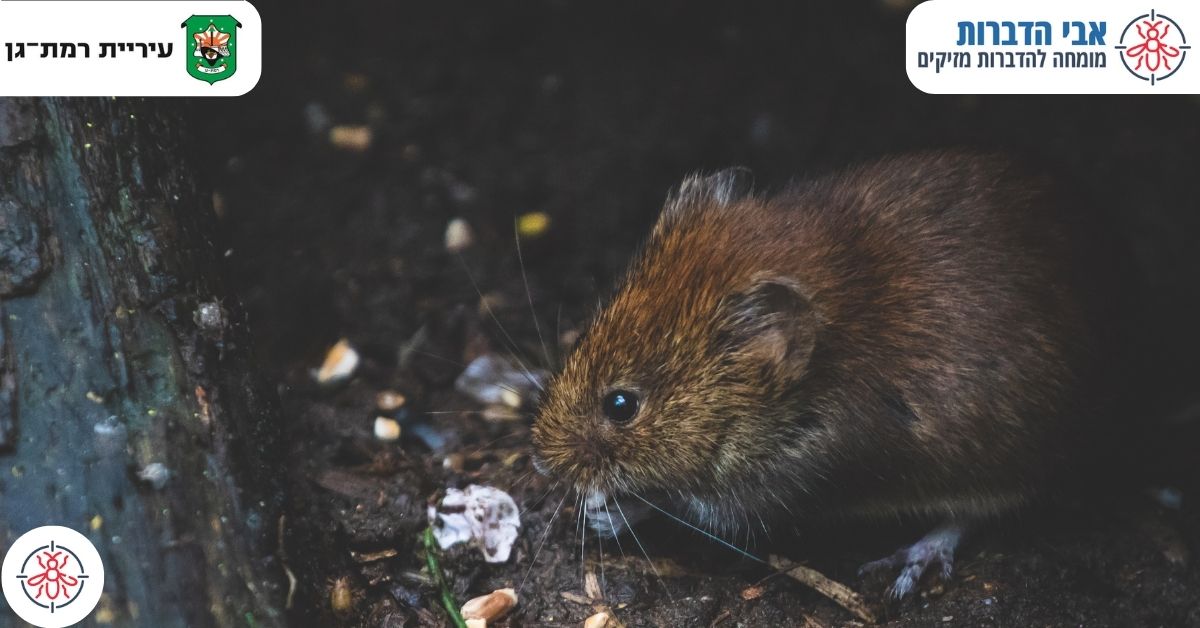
{"x":590,"y":113}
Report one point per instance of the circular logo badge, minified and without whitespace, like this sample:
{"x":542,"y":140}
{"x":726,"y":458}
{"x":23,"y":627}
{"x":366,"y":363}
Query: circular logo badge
{"x":1153,"y":47}
{"x":52,"y":577}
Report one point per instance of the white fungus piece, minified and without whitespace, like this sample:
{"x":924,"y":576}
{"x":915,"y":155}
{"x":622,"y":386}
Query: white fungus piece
{"x":494,"y":381}
{"x":483,"y":516}
{"x":458,"y":235}
{"x":339,"y":364}
{"x":386,"y":429}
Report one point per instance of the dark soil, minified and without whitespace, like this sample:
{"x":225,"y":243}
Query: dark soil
{"x":589,"y":114}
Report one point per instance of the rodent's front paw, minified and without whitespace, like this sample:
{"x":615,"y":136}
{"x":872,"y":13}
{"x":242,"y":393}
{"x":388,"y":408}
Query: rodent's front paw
{"x":937,"y":547}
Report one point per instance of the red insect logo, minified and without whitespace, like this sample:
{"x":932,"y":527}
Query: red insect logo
{"x":52,"y":583}
{"x":1158,"y":49}
{"x":1153,"y":52}
{"x":52,"y":576}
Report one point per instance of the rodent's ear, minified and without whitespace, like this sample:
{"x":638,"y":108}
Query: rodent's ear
{"x":774,"y":322}
{"x":722,"y":188}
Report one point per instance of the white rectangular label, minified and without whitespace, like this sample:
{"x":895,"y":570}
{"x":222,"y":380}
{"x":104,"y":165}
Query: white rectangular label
{"x":1063,"y":47}
{"x":129,"y":48}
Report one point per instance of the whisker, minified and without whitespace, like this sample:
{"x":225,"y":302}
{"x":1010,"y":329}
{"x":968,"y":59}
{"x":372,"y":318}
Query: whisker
{"x":600,"y":548}
{"x":583,"y":540}
{"x":704,"y":532}
{"x":529,"y":295}
{"x":542,"y":543}
{"x":512,"y":344}
{"x":558,"y":329}
{"x":539,"y":500}
{"x":662,"y":582}
{"x":616,"y":538}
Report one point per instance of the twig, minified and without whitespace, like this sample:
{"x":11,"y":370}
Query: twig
{"x":839,"y":593}
{"x":435,"y":571}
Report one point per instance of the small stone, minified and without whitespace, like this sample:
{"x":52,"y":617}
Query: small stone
{"x":599,"y":620}
{"x":386,"y":429}
{"x":459,"y":236}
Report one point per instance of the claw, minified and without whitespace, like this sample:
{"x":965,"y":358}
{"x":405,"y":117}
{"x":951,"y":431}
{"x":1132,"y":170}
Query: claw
{"x":937,"y":547}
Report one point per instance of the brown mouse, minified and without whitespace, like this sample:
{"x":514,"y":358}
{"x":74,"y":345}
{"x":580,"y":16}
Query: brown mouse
{"x":912,"y":337}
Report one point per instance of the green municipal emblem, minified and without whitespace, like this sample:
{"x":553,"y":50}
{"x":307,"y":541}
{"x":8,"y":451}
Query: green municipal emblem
{"x":211,"y":45}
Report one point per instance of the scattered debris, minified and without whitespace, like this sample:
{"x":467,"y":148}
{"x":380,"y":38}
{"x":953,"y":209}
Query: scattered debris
{"x":371,"y":557}
{"x":492,"y":380}
{"x":156,"y":474}
{"x":575,"y":598}
{"x":491,"y":606}
{"x":355,"y":138}
{"x":341,"y":596}
{"x":93,"y":397}
{"x":205,"y":415}
{"x":533,"y":224}
{"x":1167,"y":537}
{"x":837,"y":592}
{"x":387,"y":429}
{"x":591,"y":586}
{"x":339,"y":364}
{"x":599,"y":620}
{"x":389,"y":400}
{"x":752,"y":593}
{"x":210,"y":317}
{"x":459,"y":236}
{"x":485,"y":516}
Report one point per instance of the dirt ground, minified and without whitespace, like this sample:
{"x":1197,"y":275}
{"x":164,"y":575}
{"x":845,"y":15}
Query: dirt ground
{"x":589,"y":114}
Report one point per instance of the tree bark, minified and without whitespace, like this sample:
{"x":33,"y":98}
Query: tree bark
{"x":129,"y":409}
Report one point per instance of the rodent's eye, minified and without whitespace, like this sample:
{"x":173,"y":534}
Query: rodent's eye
{"x":620,"y":406}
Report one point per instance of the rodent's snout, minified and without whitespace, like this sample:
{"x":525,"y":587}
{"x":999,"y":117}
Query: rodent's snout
{"x":569,"y":451}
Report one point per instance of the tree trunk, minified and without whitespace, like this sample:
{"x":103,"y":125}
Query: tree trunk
{"x":128,"y":407}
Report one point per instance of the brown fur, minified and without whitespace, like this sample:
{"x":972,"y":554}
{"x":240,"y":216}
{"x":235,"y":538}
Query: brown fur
{"x":905,"y":337}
